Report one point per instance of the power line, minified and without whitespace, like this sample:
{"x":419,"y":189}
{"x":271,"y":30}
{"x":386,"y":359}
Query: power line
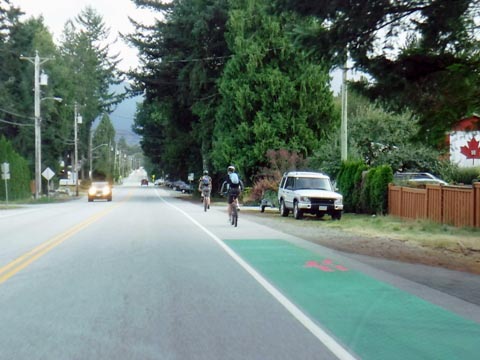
{"x":213,"y":58}
{"x":14,"y":123}
{"x":17,"y":115}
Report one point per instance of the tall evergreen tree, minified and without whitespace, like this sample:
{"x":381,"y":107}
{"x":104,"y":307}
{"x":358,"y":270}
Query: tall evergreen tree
{"x":27,"y":39}
{"x":272,"y":95}
{"x":183,"y":57}
{"x":89,"y":71}
{"x":9,"y":72}
{"x":104,"y":141}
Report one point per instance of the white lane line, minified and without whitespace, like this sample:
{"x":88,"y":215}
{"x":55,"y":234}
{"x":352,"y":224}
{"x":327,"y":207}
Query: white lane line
{"x":16,"y":213}
{"x":329,"y":342}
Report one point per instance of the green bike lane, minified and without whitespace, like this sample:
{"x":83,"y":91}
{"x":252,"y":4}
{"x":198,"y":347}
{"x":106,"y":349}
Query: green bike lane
{"x":370,"y":318}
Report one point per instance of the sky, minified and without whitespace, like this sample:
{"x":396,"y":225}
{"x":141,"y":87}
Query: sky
{"x":115,"y":15}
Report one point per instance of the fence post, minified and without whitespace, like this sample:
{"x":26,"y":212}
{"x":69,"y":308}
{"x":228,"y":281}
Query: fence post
{"x":427,"y":202}
{"x":442,"y":204}
{"x":476,"y":204}
{"x":402,"y":208}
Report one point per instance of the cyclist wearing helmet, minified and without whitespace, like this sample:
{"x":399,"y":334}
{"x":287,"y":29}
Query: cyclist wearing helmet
{"x":234,"y":187}
{"x":205,"y":187}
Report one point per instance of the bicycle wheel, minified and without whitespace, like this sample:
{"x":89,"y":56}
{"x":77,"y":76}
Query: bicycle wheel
{"x":234,"y":216}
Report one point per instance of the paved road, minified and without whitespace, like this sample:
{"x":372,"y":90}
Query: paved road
{"x":148,"y":276}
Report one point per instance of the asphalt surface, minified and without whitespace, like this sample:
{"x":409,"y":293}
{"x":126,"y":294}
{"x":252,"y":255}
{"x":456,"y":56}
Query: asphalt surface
{"x":149,"y":276}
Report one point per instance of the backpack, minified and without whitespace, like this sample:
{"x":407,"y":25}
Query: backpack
{"x":205,"y":181}
{"x":234,"y":178}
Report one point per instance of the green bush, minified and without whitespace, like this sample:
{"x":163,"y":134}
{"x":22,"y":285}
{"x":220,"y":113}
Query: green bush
{"x":349,"y":183}
{"x":19,"y":183}
{"x":379,"y":189}
{"x":357,"y":187}
{"x":374,"y":191}
{"x":466,"y":175}
{"x":365,"y":195}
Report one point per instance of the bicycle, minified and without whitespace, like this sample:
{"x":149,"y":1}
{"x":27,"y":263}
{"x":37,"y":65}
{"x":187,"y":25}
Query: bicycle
{"x":231,"y":195}
{"x":206,"y":199}
{"x":205,"y":203}
{"x":234,"y":211}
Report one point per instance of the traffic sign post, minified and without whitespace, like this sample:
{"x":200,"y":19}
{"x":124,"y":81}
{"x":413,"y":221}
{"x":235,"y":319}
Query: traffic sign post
{"x":48,"y":174}
{"x":6,"y":176}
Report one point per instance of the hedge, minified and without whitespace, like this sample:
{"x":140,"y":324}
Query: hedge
{"x":364,"y":191}
{"x":20,"y":177}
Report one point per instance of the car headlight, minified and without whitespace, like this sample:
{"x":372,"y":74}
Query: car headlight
{"x":304,"y":199}
{"x":106,"y":190}
{"x":338,"y":201}
{"x":92,"y":191}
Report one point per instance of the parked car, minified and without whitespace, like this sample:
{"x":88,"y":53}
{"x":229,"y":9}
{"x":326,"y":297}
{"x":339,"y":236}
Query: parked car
{"x":100,"y":190}
{"x":309,"y":192}
{"x":416,"y":179}
{"x":269,"y":199}
{"x":182,"y":186}
{"x":144,"y":182}
{"x":159,"y":182}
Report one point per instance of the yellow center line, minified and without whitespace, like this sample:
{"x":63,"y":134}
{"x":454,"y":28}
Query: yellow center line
{"x":15,"y":266}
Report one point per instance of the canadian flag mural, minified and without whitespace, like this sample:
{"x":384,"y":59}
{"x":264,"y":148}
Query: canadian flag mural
{"x":465,"y":148}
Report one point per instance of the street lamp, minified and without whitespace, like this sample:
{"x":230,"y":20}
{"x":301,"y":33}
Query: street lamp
{"x":58,"y":99}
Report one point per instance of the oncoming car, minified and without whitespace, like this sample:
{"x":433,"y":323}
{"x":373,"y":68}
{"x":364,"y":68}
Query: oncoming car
{"x":100,"y":190}
{"x":309,"y":192}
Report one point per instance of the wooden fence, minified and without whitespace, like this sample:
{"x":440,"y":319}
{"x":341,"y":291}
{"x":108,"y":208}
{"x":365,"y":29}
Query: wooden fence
{"x":452,"y":205}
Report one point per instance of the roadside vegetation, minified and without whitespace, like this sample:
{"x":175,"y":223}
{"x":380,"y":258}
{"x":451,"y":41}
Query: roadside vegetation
{"x":422,"y":232}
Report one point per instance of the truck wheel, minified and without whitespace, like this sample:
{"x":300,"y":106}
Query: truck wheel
{"x":283,"y":209}
{"x":337,"y":215}
{"x":297,"y":213}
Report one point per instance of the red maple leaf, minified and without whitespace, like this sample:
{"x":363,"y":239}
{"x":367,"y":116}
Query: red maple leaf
{"x":472,"y":151}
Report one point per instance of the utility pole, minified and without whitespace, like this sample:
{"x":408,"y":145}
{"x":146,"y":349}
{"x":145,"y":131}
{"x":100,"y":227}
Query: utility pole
{"x":90,"y":154}
{"x":75,"y":153}
{"x":77,"y":119}
{"x":343,"y":127}
{"x":37,"y":61}
{"x":114,"y":162}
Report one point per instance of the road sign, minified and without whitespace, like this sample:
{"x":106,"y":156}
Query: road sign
{"x":6,"y":176}
{"x":48,"y":173}
{"x":5,"y":168}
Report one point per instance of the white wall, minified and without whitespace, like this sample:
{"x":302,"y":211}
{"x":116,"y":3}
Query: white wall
{"x":459,"y":139}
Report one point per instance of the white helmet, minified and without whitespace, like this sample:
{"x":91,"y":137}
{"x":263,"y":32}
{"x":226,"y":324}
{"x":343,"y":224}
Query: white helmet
{"x":231,"y":168}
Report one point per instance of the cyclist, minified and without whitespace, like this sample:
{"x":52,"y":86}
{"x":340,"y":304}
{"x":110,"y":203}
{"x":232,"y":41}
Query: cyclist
{"x":234,"y":187}
{"x":205,"y":187}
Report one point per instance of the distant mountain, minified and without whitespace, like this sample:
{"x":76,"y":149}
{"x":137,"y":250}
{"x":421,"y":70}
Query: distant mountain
{"x":123,"y":115}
